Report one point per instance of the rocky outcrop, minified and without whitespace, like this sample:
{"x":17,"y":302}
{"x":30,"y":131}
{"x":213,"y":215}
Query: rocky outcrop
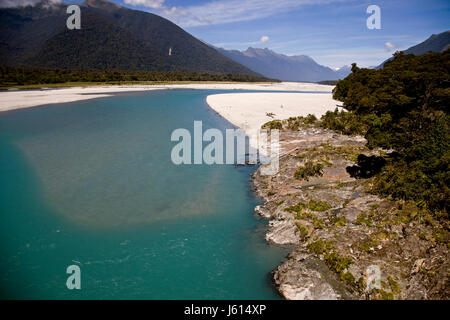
{"x":304,"y":277}
{"x":349,"y":243}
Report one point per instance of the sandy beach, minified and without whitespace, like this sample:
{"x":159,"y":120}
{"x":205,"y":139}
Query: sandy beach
{"x":249,"y":111}
{"x":10,"y":100}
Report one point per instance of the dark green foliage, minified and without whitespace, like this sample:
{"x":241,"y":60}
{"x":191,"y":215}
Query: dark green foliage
{"x":435,"y":43}
{"x":272,"y":125}
{"x":10,"y":76}
{"x":111,"y":37}
{"x":337,"y":263}
{"x":405,"y":108}
{"x":320,"y":246}
{"x":292,"y":123}
{"x":328,"y":82}
{"x":333,"y":260}
{"x":309,"y":119}
{"x":316,"y":205}
{"x":404,"y":180}
{"x":348,"y":278}
{"x":99,"y":44}
{"x":343,"y":122}
{"x":298,"y":208}
{"x":303,"y":230}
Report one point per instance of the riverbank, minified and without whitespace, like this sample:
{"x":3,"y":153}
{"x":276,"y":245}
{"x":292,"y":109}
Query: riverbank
{"x":92,"y":184}
{"x":249,"y":111}
{"x":349,"y":243}
{"x":17,"y":99}
{"x":341,"y":232}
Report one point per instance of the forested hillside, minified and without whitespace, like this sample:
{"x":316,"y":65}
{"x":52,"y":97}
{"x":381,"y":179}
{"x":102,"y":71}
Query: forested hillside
{"x":22,"y":76}
{"x":111,"y":38}
{"x":404,"y":109}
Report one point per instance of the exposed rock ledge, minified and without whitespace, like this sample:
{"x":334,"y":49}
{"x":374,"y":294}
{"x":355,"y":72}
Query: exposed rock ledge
{"x":342,"y":234}
{"x":304,"y":277}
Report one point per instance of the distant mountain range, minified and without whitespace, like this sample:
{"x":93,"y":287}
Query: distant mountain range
{"x":282,"y":67}
{"x":117,"y":38}
{"x":436,"y":43}
{"x":111,"y":37}
{"x":304,"y":68}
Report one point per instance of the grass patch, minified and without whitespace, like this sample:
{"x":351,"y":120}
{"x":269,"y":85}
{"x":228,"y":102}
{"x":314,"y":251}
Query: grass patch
{"x":299,"y":207}
{"x":309,"y":169}
{"x":337,"y":263}
{"x":320,"y":246}
{"x":364,"y":218}
{"x":367,"y":246}
{"x":303,"y":230}
{"x":338,"y":221}
{"x":272,"y":125}
{"x":317,"y":205}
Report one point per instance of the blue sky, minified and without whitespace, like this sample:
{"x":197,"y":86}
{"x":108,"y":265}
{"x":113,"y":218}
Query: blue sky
{"x":333,"y":32}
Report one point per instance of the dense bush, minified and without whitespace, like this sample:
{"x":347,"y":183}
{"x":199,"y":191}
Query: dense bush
{"x":12,"y":76}
{"x":273,"y":125}
{"x":316,"y":205}
{"x":344,"y":122}
{"x":403,"y":107}
{"x":292,"y":123}
{"x":328,"y":82}
{"x":309,"y":169}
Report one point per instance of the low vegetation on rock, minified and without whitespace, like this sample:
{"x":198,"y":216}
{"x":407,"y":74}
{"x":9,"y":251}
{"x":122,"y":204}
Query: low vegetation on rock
{"x":367,"y":186}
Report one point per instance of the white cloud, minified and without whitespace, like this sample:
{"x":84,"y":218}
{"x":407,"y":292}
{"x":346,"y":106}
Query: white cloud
{"x":389,"y":46}
{"x":264,"y":39}
{"x":23,"y":3}
{"x":228,"y":11}
{"x":154,"y":4}
{"x":363,"y":56}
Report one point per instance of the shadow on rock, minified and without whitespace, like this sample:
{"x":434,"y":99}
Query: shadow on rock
{"x":367,"y":167}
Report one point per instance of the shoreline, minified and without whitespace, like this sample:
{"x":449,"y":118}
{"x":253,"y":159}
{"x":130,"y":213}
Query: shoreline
{"x":19,"y":99}
{"x":248,"y":111}
{"x":340,"y":231}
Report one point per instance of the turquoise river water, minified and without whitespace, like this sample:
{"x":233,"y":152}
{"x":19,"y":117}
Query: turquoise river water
{"x":91,"y":183}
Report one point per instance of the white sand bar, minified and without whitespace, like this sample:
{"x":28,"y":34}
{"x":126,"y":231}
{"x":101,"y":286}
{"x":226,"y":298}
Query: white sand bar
{"x":249,"y":111}
{"x":10,"y":100}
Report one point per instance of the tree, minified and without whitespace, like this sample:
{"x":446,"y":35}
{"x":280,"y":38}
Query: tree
{"x":405,"y":108}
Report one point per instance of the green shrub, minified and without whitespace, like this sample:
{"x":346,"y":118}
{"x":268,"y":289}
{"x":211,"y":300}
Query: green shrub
{"x":272,"y":125}
{"x":339,"y":221}
{"x":299,"y":207}
{"x":348,"y":278}
{"x":310,"y":119}
{"x":293,"y":123}
{"x":320,"y":246}
{"x":344,"y":122}
{"x":403,"y":107}
{"x":309,"y":169}
{"x":316,"y":205}
{"x":303,"y":230}
{"x":336,"y":262}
